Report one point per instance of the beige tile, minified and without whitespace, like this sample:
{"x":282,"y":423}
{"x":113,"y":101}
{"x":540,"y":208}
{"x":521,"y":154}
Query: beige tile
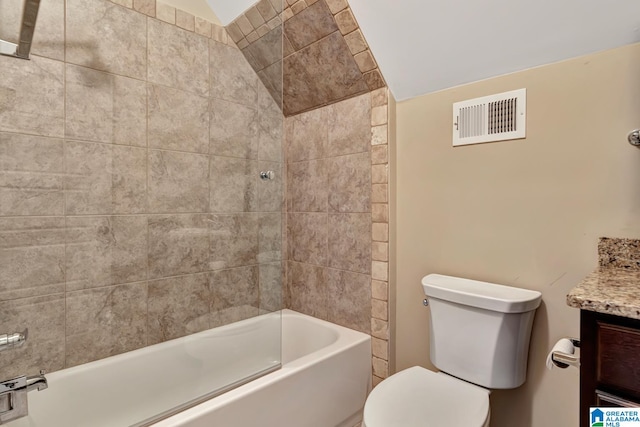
{"x":287,"y":14}
{"x":270,"y":135}
{"x":365,"y":61}
{"x":310,"y":26}
{"x":178,"y":306}
{"x":48,"y":40}
{"x":307,"y":237}
{"x":31,"y":175}
{"x":44,"y":349}
{"x":243,"y":43}
{"x":105,"y":37}
{"x":380,"y":270}
{"x":271,"y":192}
{"x":270,"y":237}
{"x":275,"y":23}
{"x":376,"y":380}
{"x":166,"y":13}
{"x":271,"y":290}
{"x":380,"y":212}
{"x":380,"y":367}
{"x":349,"y":240}
{"x":234,"y":130}
{"x":148,"y":7}
{"x":235,"y":295}
{"x":346,"y":21}
{"x":125,"y":3}
{"x":104,"y":179}
{"x":255,"y":17}
{"x":379,"y":115}
{"x":379,"y":154}
{"x":219,"y":34}
{"x":380,"y":193}
{"x":235,"y":32}
{"x":178,"y":182}
{"x":380,"y":329}
{"x":178,"y":120}
{"x":379,"y":310}
{"x":380,"y":232}
{"x":234,"y":240}
{"x":307,"y":184}
{"x":244,"y":24}
{"x":350,"y":183}
{"x":277,"y":5}
{"x":379,"y":97}
{"x":185,"y":20}
{"x":337,"y":5}
{"x":380,"y":348}
{"x":307,"y":135}
{"x":31,"y":257}
{"x":232,"y":78}
{"x":307,"y":288}
{"x":32,"y":96}
{"x":267,"y":50}
{"x":188,"y":67}
{"x":330,"y":73}
{"x":105,"y":108}
{"x":178,"y":244}
{"x":379,"y":290}
{"x":252,"y":37}
{"x":380,"y":174}
{"x":380,"y":251}
{"x":349,"y":300}
{"x":350,"y":126}
{"x":266,"y":9}
{"x":203,"y":27}
{"x":374,"y":79}
{"x":298,"y":7}
{"x":104,"y":322}
{"x":105,"y":251}
{"x":233,"y":185}
{"x":356,"y":42}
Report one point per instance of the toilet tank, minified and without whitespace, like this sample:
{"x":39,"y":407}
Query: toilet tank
{"x":480,"y":331}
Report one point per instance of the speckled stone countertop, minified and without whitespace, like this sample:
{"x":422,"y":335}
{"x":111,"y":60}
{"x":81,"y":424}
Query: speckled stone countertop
{"x":614,"y":288}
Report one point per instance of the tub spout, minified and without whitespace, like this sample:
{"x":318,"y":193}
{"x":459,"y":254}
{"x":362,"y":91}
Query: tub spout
{"x":37,"y":382}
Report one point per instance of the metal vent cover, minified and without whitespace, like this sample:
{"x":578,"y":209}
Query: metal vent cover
{"x":491,"y":118}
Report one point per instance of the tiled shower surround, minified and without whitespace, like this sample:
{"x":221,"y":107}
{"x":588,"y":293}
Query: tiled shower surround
{"x":131,"y":209}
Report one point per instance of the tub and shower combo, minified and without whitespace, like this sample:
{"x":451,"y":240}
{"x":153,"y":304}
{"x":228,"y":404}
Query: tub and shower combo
{"x":278,"y":369}
{"x":91,"y":288}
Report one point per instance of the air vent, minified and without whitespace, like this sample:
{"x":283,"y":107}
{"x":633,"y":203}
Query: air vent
{"x":491,"y":118}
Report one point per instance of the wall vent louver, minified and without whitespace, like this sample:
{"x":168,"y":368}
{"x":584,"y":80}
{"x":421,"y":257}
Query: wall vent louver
{"x":490,"y":118}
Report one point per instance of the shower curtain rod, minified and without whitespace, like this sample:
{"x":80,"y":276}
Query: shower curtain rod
{"x":28,"y":26}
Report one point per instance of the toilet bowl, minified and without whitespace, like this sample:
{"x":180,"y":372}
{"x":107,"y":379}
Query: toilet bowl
{"x":418,"y":397}
{"x":479,"y":340}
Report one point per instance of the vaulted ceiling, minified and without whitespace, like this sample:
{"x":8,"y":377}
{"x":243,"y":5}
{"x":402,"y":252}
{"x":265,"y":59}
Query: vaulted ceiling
{"x":427,"y":45}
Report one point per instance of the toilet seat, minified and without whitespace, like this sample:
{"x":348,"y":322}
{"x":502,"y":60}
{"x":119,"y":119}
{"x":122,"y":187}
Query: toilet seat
{"x":417,"y":397}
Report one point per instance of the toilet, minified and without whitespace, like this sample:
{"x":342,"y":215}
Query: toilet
{"x":479,"y":340}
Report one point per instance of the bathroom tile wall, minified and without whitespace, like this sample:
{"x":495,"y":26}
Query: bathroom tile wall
{"x":326,"y":57}
{"x":131,"y":211}
{"x":338,"y":217}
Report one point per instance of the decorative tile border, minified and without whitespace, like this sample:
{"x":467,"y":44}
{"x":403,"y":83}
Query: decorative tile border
{"x":179,"y":18}
{"x":380,"y":234}
{"x":257,"y":21}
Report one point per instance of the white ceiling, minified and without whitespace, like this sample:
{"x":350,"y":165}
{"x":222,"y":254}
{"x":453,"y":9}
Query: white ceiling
{"x":427,"y":45}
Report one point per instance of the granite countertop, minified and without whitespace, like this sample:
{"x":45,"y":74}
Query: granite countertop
{"x":613,"y":288}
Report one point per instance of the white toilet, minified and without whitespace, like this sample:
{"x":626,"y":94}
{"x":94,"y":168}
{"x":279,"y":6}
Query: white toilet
{"x":479,"y":339}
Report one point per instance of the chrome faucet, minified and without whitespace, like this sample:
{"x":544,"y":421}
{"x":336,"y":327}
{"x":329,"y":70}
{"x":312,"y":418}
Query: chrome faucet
{"x":14,"y":340}
{"x":14,"y":402}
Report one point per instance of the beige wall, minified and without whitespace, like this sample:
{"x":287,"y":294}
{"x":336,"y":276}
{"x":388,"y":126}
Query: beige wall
{"x":525,"y":213}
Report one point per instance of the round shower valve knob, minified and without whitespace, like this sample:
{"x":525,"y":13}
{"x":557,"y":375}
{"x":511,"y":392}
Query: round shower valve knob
{"x":634,"y":138}
{"x":267,"y":175}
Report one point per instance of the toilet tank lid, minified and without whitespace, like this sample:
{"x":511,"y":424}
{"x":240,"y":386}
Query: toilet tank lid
{"x":488,"y":296}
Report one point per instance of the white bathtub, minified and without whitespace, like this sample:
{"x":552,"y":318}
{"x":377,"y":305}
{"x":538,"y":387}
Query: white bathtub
{"x":324,"y":380}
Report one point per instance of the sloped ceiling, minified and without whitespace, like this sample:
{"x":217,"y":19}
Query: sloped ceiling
{"x":427,"y":45}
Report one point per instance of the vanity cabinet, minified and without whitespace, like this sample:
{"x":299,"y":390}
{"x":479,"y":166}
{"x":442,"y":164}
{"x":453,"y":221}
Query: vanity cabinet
{"x":610,"y":362}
